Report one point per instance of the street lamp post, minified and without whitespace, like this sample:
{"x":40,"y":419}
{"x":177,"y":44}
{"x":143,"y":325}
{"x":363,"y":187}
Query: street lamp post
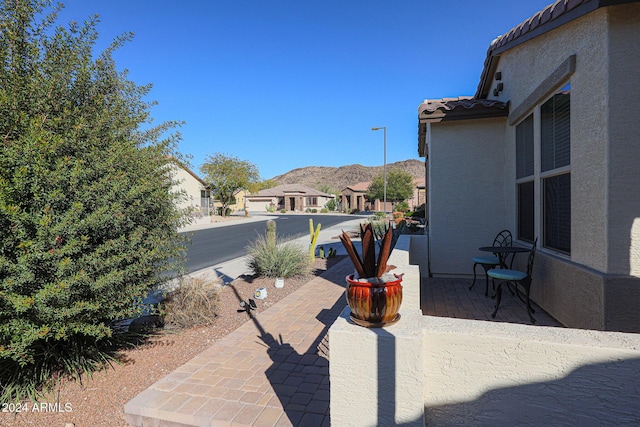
{"x":384,"y":167}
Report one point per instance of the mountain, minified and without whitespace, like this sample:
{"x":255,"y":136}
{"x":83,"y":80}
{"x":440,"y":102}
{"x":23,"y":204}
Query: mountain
{"x":338,"y":178}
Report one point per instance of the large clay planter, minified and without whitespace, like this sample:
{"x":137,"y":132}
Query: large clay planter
{"x":374,"y":305}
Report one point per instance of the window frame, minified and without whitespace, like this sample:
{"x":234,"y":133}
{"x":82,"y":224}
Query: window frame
{"x":545,"y":175}
{"x":527,"y":176}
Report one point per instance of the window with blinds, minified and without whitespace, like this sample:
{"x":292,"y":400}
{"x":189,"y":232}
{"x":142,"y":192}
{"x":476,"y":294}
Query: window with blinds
{"x":524,"y":180}
{"x":557,"y":212}
{"x":554,"y":132}
{"x":526,"y":211}
{"x":555,"y":159}
{"x":524,"y":148}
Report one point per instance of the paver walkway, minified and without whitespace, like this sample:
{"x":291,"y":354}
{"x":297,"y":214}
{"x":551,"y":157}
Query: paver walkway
{"x":274,"y":370}
{"x":268,"y":372}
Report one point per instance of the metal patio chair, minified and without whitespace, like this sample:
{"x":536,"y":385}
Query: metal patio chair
{"x":500,"y":276}
{"x":488,"y":262}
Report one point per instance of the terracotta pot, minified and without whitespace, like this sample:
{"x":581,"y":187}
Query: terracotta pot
{"x":374,"y":305}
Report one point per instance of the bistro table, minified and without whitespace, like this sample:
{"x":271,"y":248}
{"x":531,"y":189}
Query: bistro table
{"x":503,"y":252}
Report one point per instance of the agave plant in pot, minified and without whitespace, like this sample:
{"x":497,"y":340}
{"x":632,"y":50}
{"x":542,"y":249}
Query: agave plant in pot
{"x":374,"y":296}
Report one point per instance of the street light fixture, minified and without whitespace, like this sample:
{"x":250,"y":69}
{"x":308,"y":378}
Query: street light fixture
{"x":384,"y":168}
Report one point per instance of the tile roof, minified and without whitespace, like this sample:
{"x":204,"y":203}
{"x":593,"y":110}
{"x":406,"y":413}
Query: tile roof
{"x":540,"y":19}
{"x":281,"y":190}
{"x":463,"y":107}
{"x":361,"y":186}
{"x":549,"y":18}
{"x":556,"y":14}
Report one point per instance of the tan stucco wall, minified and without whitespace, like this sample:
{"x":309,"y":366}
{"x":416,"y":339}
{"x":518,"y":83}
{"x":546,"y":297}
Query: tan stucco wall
{"x":377,"y":374}
{"x":486,"y":373}
{"x":261,"y":205}
{"x":192,"y":187}
{"x":604,"y":130}
{"x":466,"y":190}
{"x":439,"y":371}
{"x":624,"y":141}
{"x":523,"y":69}
{"x":596,"y":286}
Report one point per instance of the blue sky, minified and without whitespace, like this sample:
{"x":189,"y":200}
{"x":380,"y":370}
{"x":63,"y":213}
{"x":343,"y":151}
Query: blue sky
{"x":286,"y":84}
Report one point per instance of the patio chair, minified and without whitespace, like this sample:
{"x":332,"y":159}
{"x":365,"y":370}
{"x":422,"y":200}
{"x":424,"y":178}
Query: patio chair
{"x":501,"y":276}
{"x":488,"y":262}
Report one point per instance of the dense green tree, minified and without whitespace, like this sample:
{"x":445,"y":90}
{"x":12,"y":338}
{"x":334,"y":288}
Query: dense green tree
{"x":89,"y":222}
{"x":262,"y":185}
{"x":399,"y":186}
{"x":226,"y":174}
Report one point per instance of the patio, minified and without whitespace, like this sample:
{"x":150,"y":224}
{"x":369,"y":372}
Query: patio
{"x":451,"y":297}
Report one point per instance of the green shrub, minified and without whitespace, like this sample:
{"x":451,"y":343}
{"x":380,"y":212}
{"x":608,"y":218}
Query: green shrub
{"x":280,"y":260}
{"x":402,"y":207}
{"x":331,"y":205}
{"x":194,"y":302}
{"x":88,"y":217}
{"x":227,"y":211}
{"x":379,"y":225}
{"x":380,"y":214}
{"x":324,"y":210}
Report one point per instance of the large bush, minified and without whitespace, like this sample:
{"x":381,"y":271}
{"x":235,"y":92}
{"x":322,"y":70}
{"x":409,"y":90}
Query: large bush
{"x":88,"y":219}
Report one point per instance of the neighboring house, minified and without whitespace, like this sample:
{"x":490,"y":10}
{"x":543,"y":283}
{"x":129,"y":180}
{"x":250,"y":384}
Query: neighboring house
{"x":548,"y":148}
{"x":290,"y":197}
{"x":197,"y":194}
{"x":354,"y":198}
{"x":239,"y":205}
{"x":419,"y":196}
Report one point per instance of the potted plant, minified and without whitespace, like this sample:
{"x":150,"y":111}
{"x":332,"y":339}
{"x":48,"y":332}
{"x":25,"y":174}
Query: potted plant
{"x":373,"y":295}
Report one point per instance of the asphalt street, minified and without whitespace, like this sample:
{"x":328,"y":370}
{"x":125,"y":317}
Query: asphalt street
{"x":218,"y":245}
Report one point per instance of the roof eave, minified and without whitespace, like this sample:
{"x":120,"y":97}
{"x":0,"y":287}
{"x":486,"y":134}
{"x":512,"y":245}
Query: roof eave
{"x":531,"y":29}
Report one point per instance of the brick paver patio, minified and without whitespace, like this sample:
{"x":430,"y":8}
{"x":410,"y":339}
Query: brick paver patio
{"x":274,"y":370}
{"x":449,"y":297}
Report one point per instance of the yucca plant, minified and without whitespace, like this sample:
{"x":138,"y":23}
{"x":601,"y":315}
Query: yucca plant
{"x":369,"y":265}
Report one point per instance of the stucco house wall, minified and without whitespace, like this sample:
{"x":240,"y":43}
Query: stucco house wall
{"x":624,"y":130}
{"x":594,"y":287}
{"x":471,"y":211}
{"x":597,"y":285}
{"x":523,"y":69}
{"x":261,"y":204}
{"x":353,"y":200}
{"x":187,"y":181}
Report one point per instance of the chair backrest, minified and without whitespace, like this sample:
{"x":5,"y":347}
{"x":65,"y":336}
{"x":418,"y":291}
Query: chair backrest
{"x":503,"y":238}
{"x":532,"y":254}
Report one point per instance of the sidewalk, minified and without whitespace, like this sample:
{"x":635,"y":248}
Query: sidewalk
{"x":218,"y":221}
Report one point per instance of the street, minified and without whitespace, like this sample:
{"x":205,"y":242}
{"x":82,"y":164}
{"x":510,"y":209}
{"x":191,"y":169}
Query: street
{"x":214,"y":246}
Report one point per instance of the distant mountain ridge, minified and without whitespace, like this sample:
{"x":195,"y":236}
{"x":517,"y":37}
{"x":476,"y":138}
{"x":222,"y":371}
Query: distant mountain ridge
{"x":338,"y":178}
